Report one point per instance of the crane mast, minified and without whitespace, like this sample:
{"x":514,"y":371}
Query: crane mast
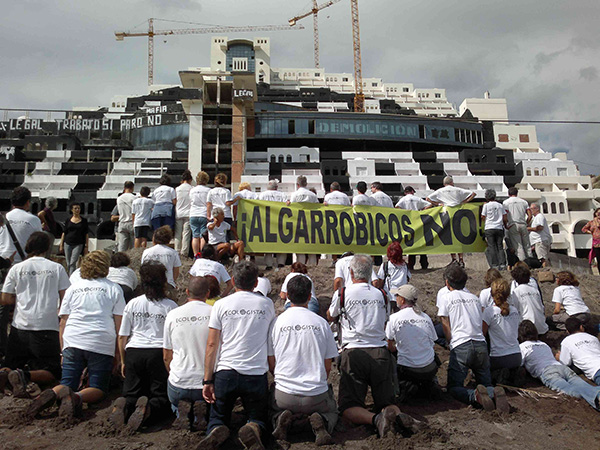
{"x":359,"y":96}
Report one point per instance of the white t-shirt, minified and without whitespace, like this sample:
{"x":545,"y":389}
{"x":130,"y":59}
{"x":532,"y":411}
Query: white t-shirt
{"x":464,"y":312}
{"x":203,"y":267}
{"x":443,"y":292}
{"x":382,"y":199}
{"x":544,"y":234}
{"x":414,"y":335}
{"x":536,"y":357}
{"x":529,"y":304}
{"x":532,"y":283}
{"x":123,"y":275}
{"x":292,"y":275}
{"x":245,"y":320}
{"x":24,"y":225}
{"x":186,"y":333}
{"x":503,"y":330}
{"x":412,"y":203}
{"x":397,"y":275}
{"x":450,"y":195}
{"x":36,"y":283}
{"x":303,"y":195}
{"x":91,"y":306}
{"x":570,"y":298}
{"x":337,"y":198}
{"x":184,"y":203}
{"x":582,"y":350}
{"x":142,"y":208}
{"x":342,"y":270}
{"x":218,"y":235}
{"x":486,"y":300}
{"x":263,"y":286}
{"x":144,"y":322}
{"x":302,"y":341}
{"x":363,"y":324}
{"x":493,"y":213}
{"x":198,"y":197}
{"x":124,"y":204}
{"x":363,"y":199}
{"x":218,"y":196}
{"x":165,"y":255}
{"x":164,"y":194}
{"x":516,"y":209}
{"x":246,"y":194}
{"x":273,"y":196}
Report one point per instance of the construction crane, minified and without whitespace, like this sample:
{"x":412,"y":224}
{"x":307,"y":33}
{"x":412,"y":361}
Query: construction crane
{"x":121,"y":35}
{"x":315,"y":13}
{"x":359,"y":96}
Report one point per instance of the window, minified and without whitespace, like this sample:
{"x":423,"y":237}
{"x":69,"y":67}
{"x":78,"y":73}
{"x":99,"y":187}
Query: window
{"x":291,"y":127}
{"x":288,"y":159}
{"x":523,"y":138}
{"x":503,"y":138}
{"x":555,"y":228}
{"x":561,"y":171}
{"x":438,"y":95}
{"x":553,"y":208}
{"x":273,"y":158}
{"x":405,"y":89}
{"x":536,"y":172}
{"x":311,"y":127}
{"x":240,"y":64}
{"x":361,"y":171}
{"x":344,"y":79}
{"x":501,"y":159}
{"x":374,"y":84}
{"x":317,"y":74}
{"x":544,"y":172}
{"x":545,"y":208}
{"x":280,"y":158}
{"x":561,"y":208}
{"x":528,"y":172}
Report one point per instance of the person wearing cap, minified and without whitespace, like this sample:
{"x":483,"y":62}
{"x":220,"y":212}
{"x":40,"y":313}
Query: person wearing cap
{"x":411,"y":333}
{"x":273,"y":195}
{"x":411,"y":202}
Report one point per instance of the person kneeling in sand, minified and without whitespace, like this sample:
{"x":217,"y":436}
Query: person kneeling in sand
{"x":217,"y":236}
{"x":304,"y":347}
{"x":90,"y":316}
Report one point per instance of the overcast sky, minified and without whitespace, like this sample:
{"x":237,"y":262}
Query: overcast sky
{"x":543,"y":56}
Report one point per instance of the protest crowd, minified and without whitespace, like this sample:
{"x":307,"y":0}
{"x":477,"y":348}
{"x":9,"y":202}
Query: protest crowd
{"x":79,"y":326}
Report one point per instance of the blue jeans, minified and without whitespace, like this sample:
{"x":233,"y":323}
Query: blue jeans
{"x":198,"y":226}
{"x":231,"y":385}
{"x":72,"y":254}
{"x":99,"y":368}
{"x":597,"y":378}
{"x":562,"y":379}
{"x":313,"y":305}
{"x":470,"y":355}
{"x":175,"y":394}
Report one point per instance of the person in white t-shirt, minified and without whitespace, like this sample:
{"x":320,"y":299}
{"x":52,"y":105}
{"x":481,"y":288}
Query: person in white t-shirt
{"x":501,"y":323}
{"x":362,"y":198}
{"x":198,"y":211}
{"x":207,"y":265}
{"x":461,"y":317}
{"x":218,"y":229}
{"x":527,"y":298}
{"x":36,"y":287}
{"x":273,"y":195}
{"x":303,"y":350}
{"x":485,"y":296}
{"x":141,"y":213}
{"x":450,"y":195}
{"x":183,"y":232}
{"x":245,"y":192}
{"x":567,"y":299}
{"x":125,"y":235}
{"x":379,"y":197}
{"x":164,"y":254}
{"x":335,"y":196}
{"x":304,"y":195}
{"x":495,"y":218}
{"x":263,"y":285}
{"x":411,"y":202}
{"x":122,"y":274}
{"x":365,"y":360}
{"x":90,"y":315}
{"x":519,"y":216}
{"x":184,"y":344}
{"x":539,"y":235}
{"x":141,"y":338}
{"x":540,"y":363}
{"x":394,"y":272}
{"x":165,"y":200}
{"x":581,"y":350}
{"x":411,"y":333}
{"x":299,"y":269}
{"x":237,"y":360}
{"x":342,"y":276}
{"x":219,"y":196}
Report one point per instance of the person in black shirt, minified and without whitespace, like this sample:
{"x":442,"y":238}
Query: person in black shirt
{"x":74,"y":240}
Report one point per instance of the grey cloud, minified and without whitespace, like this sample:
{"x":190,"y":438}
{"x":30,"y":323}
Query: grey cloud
{"x":543,"y":59}
{"x":588,"y":73}
{"x":190,"y":5}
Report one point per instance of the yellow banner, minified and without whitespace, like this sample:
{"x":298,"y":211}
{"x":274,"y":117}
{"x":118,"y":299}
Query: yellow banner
{"x":273,"y":227}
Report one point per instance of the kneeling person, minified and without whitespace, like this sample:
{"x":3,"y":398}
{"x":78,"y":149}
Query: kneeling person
{"x":304,"y":347}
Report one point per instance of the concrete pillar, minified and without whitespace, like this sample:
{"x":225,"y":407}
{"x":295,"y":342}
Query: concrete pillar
{"x":196,"y":108}
{"x":238,"y":144}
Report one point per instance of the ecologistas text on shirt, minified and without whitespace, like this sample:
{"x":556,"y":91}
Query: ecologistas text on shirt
{"x":273,"y":227}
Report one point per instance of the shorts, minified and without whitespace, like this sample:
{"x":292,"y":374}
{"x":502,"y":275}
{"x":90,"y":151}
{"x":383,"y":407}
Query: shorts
{"x":40,"y":350}
{"x":99,"y":368}
{"x":198,"y":226}
{"x":542,"y":249}
{"x":142,"y":232}
{"x":364,"y":367}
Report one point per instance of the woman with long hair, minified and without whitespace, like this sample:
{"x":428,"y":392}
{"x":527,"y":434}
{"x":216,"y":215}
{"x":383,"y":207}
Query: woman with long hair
{"x":75,"y":238}
{"x":394,"y":272}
